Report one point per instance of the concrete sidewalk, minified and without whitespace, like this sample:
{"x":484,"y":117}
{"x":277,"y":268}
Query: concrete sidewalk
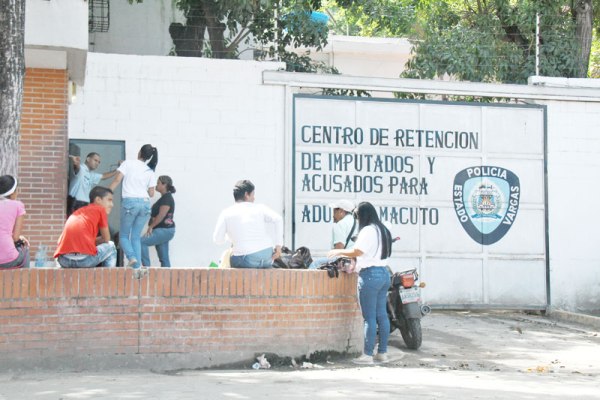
{"x":466,"y":355}
{"x":582,"y":319}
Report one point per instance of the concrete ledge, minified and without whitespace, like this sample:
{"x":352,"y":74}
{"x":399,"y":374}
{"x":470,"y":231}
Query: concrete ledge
{"x":582,"y":319}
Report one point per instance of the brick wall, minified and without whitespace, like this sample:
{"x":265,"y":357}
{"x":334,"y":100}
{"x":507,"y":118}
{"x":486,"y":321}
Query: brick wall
{"x":172,"y":318}
{"x":42,"y":154}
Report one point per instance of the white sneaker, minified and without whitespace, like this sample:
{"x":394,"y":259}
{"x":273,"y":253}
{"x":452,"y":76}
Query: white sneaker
{"x":381,"y":358}
{"x":363,"y":360}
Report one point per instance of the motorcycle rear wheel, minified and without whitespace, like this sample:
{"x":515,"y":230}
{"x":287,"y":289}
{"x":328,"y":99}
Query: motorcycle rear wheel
{"x":411,"y":333}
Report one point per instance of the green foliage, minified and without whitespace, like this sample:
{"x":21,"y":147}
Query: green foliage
{"x":293,"y":28}
{"x":219,"y":27}
{"x":375,"y":18}
{"x":473,"y":40}
{"x":594,"y":70}
{"x":495,"y":43}
{"x":274,"y":25}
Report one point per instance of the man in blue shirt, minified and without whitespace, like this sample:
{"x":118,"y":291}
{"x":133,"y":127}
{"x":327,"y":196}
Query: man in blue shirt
{"x":344,"y":227}
{"x":85,"y":179}
{"x":344,"y":224}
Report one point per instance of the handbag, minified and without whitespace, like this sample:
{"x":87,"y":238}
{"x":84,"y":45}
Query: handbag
{"x":283,"y":261}
{"x":344,"y":264}
{"x":301,"y":258}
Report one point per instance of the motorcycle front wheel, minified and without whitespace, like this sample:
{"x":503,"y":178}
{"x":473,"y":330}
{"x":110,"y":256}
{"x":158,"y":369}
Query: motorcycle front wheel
{"x":411,"y":333}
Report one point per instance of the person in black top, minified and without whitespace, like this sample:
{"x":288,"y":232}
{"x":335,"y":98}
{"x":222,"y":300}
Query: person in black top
{"x":161,"y":227}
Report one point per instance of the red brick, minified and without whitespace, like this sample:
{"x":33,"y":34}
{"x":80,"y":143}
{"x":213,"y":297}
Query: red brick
{"x":269,"y":308}
{"x":196,"y":284}
{"x":238,"y":282}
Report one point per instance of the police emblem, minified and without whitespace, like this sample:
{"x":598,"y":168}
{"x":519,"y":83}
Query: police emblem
{"x":486,"y":201}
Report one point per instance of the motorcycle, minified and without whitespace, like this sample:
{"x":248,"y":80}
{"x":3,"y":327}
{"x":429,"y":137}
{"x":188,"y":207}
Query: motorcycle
{"x":405,"y":308}
{"x":404,"y":305}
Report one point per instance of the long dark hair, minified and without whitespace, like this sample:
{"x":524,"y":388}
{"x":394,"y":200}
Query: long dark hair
{"x":148,"y":152}
{"x":367,"y":215}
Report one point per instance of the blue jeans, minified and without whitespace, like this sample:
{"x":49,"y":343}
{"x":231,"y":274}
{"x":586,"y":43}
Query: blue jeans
{"x":373,"y":284}
{"x":317,"y":262}
{"x":106,"y":257}
{"x":135,"y":213}
{"x":22,"y":260}
{"x":159,"y":238}
{"x":259,"y":259}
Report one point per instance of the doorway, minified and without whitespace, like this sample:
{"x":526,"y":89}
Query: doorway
{"x":111,"y":152}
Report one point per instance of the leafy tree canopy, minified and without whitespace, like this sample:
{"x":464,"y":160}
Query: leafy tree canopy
{"x":478,"y":40}
{"x":217,"y":28}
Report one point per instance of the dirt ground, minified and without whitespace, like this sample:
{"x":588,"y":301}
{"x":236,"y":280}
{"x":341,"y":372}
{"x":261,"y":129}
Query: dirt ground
{"x":465,"y":355}
{"x":506,"y":341}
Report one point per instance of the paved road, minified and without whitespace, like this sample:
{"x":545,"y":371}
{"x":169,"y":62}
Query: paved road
{"x":464,"y":356}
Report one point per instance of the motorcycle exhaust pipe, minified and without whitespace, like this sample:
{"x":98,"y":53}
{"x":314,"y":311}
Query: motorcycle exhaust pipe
{"x":425,"y":310}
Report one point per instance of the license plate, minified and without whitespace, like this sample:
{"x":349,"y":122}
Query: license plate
{"x":410,"y":295}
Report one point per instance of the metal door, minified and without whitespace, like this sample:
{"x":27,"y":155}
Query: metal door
{"x":111,"y":152}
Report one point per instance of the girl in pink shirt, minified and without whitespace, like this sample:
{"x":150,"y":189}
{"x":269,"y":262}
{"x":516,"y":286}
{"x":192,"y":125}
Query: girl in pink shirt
{"x":14,"y":248}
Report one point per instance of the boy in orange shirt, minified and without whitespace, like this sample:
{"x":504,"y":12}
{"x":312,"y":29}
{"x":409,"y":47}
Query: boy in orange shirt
{"x":79,"y":245}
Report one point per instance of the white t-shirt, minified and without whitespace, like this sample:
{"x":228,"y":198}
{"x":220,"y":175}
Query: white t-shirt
{"x":137,"y":178}
{"x":369,"y":242}
{"x":246,"y":225}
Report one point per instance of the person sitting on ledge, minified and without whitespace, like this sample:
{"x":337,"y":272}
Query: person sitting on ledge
{"x":246,"y":225}
{"x":79,"y":245}
{"x":14,"y":247}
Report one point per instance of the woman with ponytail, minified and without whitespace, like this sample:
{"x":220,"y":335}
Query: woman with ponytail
{"x":138,"y":186}
{"x":372,"y":248}
{"x":161,"y":227}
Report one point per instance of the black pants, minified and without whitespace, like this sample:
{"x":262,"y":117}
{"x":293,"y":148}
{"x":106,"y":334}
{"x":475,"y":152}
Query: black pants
{"x":75,"y":205}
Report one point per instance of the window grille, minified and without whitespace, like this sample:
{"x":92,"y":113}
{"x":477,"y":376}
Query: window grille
{"x":99,"y":16}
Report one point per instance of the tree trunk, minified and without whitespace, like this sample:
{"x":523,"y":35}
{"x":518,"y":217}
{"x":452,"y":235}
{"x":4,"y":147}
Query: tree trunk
{"x":583,"y":31}
{"x":12,"y":72}
{"x":189,"y":38}
{"x":512,"y":31}
{"x":216,"y":32}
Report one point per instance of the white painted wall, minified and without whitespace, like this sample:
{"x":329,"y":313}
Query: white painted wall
{"x":467,"y":261}
{"x":364,"y":56}
{"x":573,"y":168}
{"x":56,"y":23}
{"x":56,"y":35}
{"x":138,"y":28}
{"x":573,"y":188}
{"x":212,"y":121}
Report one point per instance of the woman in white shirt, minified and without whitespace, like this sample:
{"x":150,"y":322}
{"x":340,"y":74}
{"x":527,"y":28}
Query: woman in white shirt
{"x":372,"y":248}
{"x":138,"y":186}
